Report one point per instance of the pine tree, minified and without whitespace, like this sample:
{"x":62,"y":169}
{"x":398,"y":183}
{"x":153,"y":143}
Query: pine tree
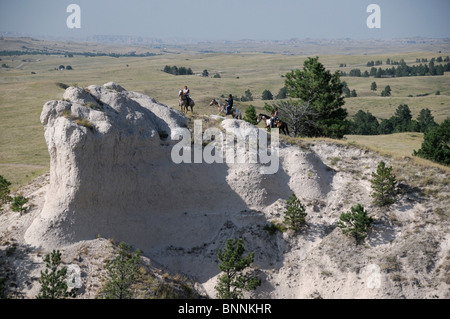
{"x":53,"y":281}
{"x":321,"y":89}
{"x":281,"y":94}
{"x":123,"y":272}
{"x":248,"y":95}
{"x":436,"y":144}
{"x":18,"y":204}
{"x":250,"y":115}
{"x":373,"y":86}
{"x":426,"y":120}
{"x":295,"y":215}
{"x":402,"y":118}
{"x":236,"y":276}
{"x":267,"y":95}
{"x":387,"y":91}
{"x":364,"y":123}
{"x":346,"y":89}
{"x":386,"y":126}
{"x":384,"y":185}
{"x":4,"y":191}
{"x":355,"y":223}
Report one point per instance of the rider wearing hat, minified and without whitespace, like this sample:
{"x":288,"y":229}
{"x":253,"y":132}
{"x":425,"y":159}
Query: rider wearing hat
{"x":230,"y":104}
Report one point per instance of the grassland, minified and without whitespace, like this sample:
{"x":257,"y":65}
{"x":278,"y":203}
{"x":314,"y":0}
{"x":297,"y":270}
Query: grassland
{"x":398,"y":144}
{"x":30,"y":81}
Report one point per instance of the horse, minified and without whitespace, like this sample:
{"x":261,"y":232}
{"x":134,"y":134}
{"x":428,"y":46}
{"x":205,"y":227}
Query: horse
{"x":279,"y":123}
{"x":235,"y":113}
{"x":220,"y":107}
{"x":183,"y":103}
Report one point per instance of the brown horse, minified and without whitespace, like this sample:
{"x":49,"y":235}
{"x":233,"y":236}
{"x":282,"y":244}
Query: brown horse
{"x":278,"y":123}
{"x":184,"y":104}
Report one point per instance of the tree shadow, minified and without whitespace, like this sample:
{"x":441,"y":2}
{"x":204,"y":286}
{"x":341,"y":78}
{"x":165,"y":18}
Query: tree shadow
{"x":381,"y":233}
{"x":17,"y":270}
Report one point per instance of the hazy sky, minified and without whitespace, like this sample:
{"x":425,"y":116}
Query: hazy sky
{"x":229,"y":19}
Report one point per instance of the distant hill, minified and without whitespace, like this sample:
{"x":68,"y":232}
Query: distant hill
{"x":121,"y":44}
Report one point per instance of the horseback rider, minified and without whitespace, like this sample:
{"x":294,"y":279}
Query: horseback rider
{"x":274,"y":117}
{"x":230,"y":104}
{"x":186,"y":94}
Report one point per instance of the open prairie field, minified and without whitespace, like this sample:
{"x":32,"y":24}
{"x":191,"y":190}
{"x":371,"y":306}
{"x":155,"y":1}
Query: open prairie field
{"x":27,"y":82}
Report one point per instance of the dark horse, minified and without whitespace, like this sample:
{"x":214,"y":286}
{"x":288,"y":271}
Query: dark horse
{"x":278,"y":123}
{"x":184,"y":103}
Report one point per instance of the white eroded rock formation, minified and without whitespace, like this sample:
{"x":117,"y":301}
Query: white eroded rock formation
{"x":111,"y":175}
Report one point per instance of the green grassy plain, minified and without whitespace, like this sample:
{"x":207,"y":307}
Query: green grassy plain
{"x":23,"y":151}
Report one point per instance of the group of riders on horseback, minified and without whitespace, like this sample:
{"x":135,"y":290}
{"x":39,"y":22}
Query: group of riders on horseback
{"x":186,"y":102}
{"x":228,"y":109}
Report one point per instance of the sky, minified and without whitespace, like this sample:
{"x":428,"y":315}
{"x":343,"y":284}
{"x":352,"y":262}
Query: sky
{"x":229,"y":19}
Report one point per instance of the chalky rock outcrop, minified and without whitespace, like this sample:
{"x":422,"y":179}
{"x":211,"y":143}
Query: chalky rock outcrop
{"x":111,"y":175}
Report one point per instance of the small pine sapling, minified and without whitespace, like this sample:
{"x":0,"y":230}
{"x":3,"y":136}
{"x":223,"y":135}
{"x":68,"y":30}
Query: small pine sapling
{"x":355,"y":223}
{"x":18,"y":204}
{"x":295,"y":215}
{"x":384,"y":185}
{"x":237,"y":274}
{"x":53,"y":280}
{"x":123,"y":273}
{"x":4,"y":191}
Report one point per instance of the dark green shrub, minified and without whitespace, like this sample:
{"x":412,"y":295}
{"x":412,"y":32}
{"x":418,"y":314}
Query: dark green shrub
{"x":273,"y":227}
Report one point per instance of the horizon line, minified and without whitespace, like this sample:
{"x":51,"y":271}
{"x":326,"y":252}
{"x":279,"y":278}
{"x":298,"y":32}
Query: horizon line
{"x":13,"y":34}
